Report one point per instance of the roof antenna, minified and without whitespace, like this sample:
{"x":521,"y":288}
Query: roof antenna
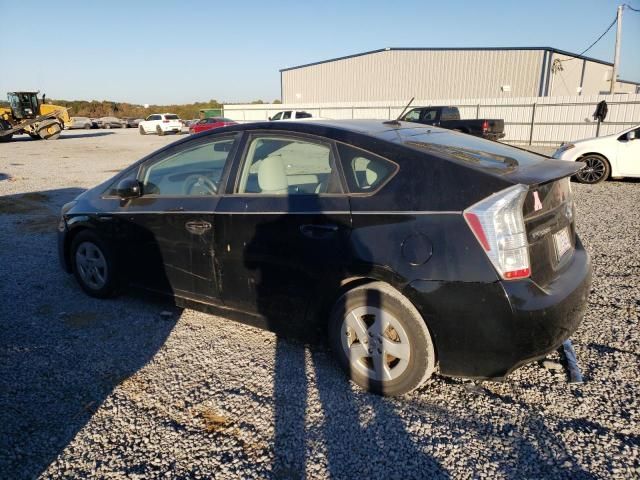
{"x":397,"y":120}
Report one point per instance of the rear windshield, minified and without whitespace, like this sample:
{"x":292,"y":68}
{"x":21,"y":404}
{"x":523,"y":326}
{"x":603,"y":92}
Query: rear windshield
{"x":472,"y":150}
{"x":172,"y":117}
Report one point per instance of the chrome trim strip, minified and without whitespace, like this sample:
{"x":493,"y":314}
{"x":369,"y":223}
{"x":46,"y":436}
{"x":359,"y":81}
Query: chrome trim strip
{"x":313,"y":212}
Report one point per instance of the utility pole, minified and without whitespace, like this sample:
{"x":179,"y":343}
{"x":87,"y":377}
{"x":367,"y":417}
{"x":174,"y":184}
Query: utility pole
{"x":616,"y":58}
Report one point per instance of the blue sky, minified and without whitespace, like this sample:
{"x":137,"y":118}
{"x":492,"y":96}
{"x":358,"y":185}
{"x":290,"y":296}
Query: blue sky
{"x":164,"y":51}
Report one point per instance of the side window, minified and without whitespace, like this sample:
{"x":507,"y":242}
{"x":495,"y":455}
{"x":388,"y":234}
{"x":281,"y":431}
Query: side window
{"x":365,"y":171}
{"x":286,"y":115}
{"x":279,"y":165}
{"x":412,"y":116}
{"x":303,"y":115}
{"x":430,"y":115}
{"x":193,"y":171}
{"x":277,"y":116}
{"x":449,"y":114}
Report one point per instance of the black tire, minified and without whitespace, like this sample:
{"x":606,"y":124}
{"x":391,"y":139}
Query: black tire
{"x":110,"y":274}
{"x":4,"y":125}
{"x":87,"y":126}
{"x":159,"y":131}
{"x":35,"y":136}
{"x":419,"y":365}
{"x":596,"y":170}
{"x":142,"y":130}
{"x":55,"y":136}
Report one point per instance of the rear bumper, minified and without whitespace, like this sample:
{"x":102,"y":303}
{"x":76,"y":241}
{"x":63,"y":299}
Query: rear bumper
{"x":493,"y":136}
{"x":487,"y":330}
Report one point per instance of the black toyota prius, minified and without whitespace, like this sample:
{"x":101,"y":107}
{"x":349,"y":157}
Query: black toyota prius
{"x":413,"y":247}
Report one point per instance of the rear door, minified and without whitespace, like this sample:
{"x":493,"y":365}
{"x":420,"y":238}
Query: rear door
{"x":283,"y":227}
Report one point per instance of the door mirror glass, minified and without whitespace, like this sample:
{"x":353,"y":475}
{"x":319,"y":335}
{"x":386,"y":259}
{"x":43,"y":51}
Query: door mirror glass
{"x":128,"y":188}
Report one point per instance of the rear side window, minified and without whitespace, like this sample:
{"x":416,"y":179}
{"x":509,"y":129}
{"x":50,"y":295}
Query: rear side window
{"x":450,"y":113}
{"x":280,"y":165}
{"x":303,"y":115}
{"x":365,"y":171}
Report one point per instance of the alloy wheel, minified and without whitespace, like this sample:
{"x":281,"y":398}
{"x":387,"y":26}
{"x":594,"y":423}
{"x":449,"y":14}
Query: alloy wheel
{"x":92,"y":265}
{"x":375,"y":343}
{"x":593,"y":171}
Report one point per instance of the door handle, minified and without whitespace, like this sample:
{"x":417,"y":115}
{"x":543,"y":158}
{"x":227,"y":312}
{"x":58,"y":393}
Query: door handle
{"x":318,"y":231}
{"x":197,"y":227}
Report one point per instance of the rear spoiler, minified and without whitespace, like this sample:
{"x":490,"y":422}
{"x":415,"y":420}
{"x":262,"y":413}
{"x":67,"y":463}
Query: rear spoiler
{"x":543,"y":172}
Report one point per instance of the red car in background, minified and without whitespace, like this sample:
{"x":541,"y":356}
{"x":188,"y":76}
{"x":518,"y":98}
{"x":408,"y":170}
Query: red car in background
{"x":210,"y":124}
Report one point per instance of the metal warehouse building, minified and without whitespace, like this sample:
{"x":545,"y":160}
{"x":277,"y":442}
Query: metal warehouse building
{"x":394,"y":74}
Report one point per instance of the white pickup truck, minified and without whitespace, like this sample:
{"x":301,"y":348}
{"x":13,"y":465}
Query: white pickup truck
{"x":290,"y":115}
{"x":160,"y":123}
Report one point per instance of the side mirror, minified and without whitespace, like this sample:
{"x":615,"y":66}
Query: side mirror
{"x":631,"y":135}
{"x":128,"y":188}
{"x":269,"y":118}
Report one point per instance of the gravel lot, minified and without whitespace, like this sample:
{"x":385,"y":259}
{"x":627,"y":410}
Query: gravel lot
{"x":108,"y":389}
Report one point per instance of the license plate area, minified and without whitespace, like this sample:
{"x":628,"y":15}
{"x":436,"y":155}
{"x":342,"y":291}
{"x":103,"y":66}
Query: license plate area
{"x":562,"y":242}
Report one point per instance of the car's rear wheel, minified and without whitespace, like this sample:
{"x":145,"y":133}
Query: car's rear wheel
{"x":381,"y":340}
{"x":159,"y":130}
{"x":142,"y":130}
{"x":596,"y":169}
{"x":93,"y":265}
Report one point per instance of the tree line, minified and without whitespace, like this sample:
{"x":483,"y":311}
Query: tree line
{"x":107,"y":108}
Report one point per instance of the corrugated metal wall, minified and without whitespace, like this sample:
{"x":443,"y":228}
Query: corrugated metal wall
{"x":402,"y":74}
{"x":555,"y":120}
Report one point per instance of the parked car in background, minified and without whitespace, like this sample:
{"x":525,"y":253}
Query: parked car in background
{"x":79,"y":122}
{"x":131,"y":122}
{"x":109,"y":122}
{"x":210,"y":124}
{"x":160,"y":123}
{"x":290,"y":115}
{"x":449,"y":118}
{"x":337,"y":226}
{"x":616,"y":155}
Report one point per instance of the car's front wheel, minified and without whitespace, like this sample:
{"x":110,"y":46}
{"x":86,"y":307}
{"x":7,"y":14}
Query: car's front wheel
{"x":596,"y":169}
{"x":381,"y":340}
{"x":93,"y":265}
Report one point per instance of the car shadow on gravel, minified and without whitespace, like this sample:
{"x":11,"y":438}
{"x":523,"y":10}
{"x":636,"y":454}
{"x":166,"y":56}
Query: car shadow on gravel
{"x":62,"y":353}
{"x":63,"y":136}
{"x":362,"y":434}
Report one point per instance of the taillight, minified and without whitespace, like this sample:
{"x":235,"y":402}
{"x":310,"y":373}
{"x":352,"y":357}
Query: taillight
{"x":498,"y":224}
{"x":485,"y":126}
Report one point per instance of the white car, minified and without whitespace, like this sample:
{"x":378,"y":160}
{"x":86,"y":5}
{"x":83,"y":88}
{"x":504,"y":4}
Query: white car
{"x":615,"y":155}
{"x":290,"y":115}
{"x":160,"y":123}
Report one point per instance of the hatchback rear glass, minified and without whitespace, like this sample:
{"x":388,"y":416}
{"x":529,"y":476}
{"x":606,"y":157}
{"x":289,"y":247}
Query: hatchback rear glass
{"x":472,"y":150}
{"x":172,"y":117}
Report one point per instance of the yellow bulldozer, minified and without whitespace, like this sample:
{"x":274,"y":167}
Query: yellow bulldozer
{"x":28,"y":114}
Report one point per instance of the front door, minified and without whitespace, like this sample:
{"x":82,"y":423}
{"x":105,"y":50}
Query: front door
{"x":629,"y":155}
{"x":172,"y":223}
{"x":284,"y":228}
